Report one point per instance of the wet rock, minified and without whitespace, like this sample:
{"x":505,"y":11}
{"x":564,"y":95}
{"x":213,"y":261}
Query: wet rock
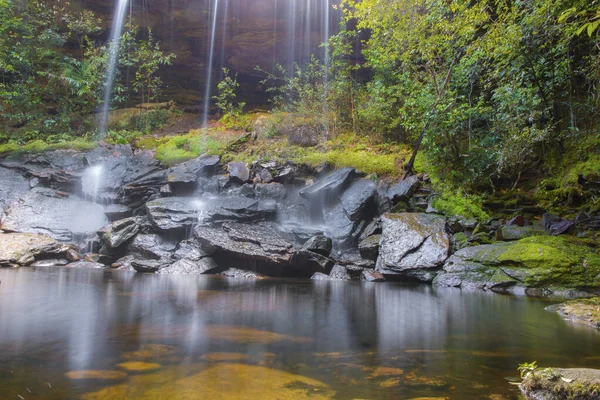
{"x":22,"y":249}
{"x":53,"y":262}
{"x":341,"y":228}
{"x":85,"y":264}
{"x":247,"y":190}
{"x":261,"y":242}
{"x":308,"y":262}
{"x":301,"y":233}
{"x":98,"y":258}
{"x":534,"y":262}
{"x":319,"y":276}
{"x":372,"y":228}
{"x":12,"y":186}
{"x":238,"y":172}
{"x":286,"y":174}
{"x":584,"y":311}
{"x":515,"y":232}
{"x":123,"y":263}
{"x":413,"y":245}
{"x":303,"y":136}
{"x":549,"y":219}
{"x":274,"y":191}
{"x":332,"y":185}
{"x":357,"y":198}
{"x":339,"y":273}
{"x":150,"y":246}
{"x":119,"y":232}
{"x":64,"y":219}
{"x":190,"y":249}
{"x":562,"y":383}
{"x":369,"y":247}
{"x":186,"y":266}
{"x":319,"y":244}
{"x":149,"y":266}
{"x":239,"y":273}
{"x":177,"y":213}
{"x":372,"y":276}
{"x":352,"y":257}
{"x":115,"y":212}
{"x":72,"y":255}
{"x":403,"y":190}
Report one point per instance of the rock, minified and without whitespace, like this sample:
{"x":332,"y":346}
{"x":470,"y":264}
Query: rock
{"x":319,"y":276}
{"x":53,"y":262}
{"x":413,"y":245}
{"x":458,"y":241}
{"x":247,"y":190}
{"x":12,"y":186}
{"x":562,"y":383}
{"x":371,"y":276}
{"x":98,"y":258}
{"x":534,"y":262}
{"x":85,"y":264}
{"x":149,"y":265}
{"x":307,"y":262}
{"x":515,"y":232}
{"x":341,"y":228}
{"x":319,"y":244}
{"x":372,"y":228}
{"x":185,"y":266}
{"x":274,"y":191}
{"x":287,"y":173}
{"x":403,"y":190}
{"x":150,"y":246}
{"x":330,"y":186}
{"x":339,"y":273}
{"x":357,"y":198}
{"x":72,"y":255}
{"x":549,"y":219}
{"x":561,"y":227}
{"x":584,"y":311}
{"x":260,"y":242}
{"x":369,"y":247}
{"x":238,"y":172}
{"x":64,"y":219}
{"x":302,"y":135}
{"x":190,"y":249}
{"x":239,"y":273}
{"x":119,"y":232}
{"x":519,"y":220}
{"x":180,"y":213}
{"x":22,"y":249}
{"x":123,"y":263}
{"x":115,"y":212}
{"x":265,"y":176}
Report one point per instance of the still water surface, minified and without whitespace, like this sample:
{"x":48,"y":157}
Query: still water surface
{"x":90,"y":334}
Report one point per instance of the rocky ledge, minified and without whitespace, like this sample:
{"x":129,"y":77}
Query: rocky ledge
{"x":562,"y":383}
{"x":118,"y":208}
{"x":584,"y":311}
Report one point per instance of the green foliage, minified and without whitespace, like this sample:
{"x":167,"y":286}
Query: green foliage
{"x":452,"y":202}
{"x":231,"y":109}
{"x":527,"y":368}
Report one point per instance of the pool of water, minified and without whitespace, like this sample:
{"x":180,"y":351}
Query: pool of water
{"x":90,"y":334}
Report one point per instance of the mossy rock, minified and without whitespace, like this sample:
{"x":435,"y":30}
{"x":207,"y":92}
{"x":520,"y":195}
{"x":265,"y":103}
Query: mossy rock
{"x":535,"y":262}
{"x":559,"y":383}
{"x":585,"y":311}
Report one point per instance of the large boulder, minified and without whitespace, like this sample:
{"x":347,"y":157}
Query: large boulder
{"x":261,"y":243}
{"x":534,"y":262}
{"x":307,"y":263}
{"x":23,"y":249}
{"x":238,"y":172}
{"x":119,"y":232}
{"x":403,"y":190}
{"x":150,"y":246}
{"x":65,"y":219}
{"x":319,"y":244}
{"x":357,"y":198}
{"x":341,"y":228}
{"x":330,"y":186}
{"x":413,"y":245}
{"x":176,"y":213}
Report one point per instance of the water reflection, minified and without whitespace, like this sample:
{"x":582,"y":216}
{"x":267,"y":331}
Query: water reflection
{"x":361,"y":340}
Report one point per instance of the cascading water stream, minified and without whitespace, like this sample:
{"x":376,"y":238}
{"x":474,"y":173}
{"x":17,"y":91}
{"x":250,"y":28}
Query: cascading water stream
{"x":115,"y":39}
{"x":211,"y":55}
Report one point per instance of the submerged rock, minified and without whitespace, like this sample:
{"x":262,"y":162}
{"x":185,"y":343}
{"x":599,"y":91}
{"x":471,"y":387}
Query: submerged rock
{"x":534,"y":262}
{"x":86,"y":264}
{"x":413,"y":245}
{"x":240,"y":273}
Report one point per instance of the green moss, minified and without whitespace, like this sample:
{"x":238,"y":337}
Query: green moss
{"x":576,"y":384}
{"x":177,"y":149}
{"x":459,"y":203}
{"x":40,"y":146}
{"x":586,"y":311}
{"x":365,"y":161}
{"x":554,"y":261}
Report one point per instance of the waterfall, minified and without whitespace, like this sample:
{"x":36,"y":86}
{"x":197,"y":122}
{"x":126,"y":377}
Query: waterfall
{"x":211,"y":54}
{"x":115,"y":39}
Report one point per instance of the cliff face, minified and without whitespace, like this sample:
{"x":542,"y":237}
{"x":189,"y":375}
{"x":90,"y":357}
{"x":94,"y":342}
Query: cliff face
{"x":248,"y":33}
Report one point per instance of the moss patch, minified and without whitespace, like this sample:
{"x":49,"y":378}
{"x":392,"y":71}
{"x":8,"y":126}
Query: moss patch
{"x":586,"y":311}
{"x":556,"y":383}
{"x":39,"y":146}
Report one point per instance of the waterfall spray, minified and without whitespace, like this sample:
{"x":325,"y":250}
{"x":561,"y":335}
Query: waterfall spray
{"x":211,"y":56}
{"x":115,"y":39}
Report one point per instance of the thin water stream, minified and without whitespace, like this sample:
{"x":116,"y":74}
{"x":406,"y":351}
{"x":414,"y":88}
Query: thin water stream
{"x":68,"y":333}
